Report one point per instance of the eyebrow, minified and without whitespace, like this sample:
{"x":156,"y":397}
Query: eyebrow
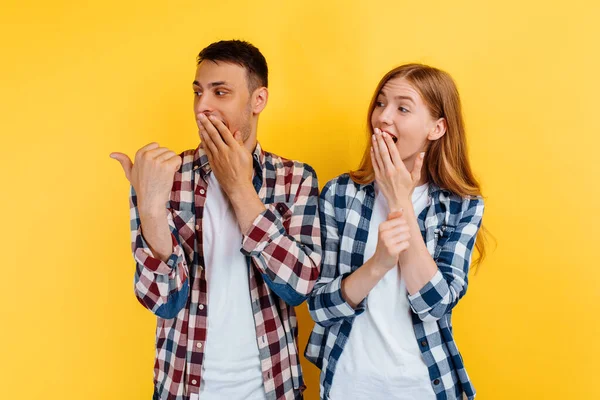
{"x":210,"y":85}
{"x":400,"y":97}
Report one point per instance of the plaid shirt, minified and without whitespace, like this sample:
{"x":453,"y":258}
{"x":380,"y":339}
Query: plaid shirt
{"x":449,"y":226}
{"x":283,"y":250}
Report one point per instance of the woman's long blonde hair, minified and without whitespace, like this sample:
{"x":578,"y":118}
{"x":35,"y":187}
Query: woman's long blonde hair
{"x":446,"y":161}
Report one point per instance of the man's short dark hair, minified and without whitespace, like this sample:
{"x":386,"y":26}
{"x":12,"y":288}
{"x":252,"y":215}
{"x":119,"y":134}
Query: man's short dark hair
{"x":243,"y":54}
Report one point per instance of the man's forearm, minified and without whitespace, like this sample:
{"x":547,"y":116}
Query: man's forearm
{"x":247,"y":206}
{"x":156,"y":232}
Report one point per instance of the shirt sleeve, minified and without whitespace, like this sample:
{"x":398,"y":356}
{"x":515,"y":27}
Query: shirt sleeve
{"x":441,"y":294}
{"x":326,"y":303}
{"x":162,"y":287}
{"x":285,"y":240}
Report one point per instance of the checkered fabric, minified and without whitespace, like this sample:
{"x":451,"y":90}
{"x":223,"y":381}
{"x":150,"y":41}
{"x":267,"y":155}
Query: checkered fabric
{"x":283,"y":250}
{"x":449,"y":227}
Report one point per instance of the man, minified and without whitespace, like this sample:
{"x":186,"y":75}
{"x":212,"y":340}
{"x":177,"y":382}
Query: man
{"x":236,"y":248}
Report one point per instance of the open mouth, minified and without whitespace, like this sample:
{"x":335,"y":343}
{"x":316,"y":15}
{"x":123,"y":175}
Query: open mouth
{"x":394,"y":138}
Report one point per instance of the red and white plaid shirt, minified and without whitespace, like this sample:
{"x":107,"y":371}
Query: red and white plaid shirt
{"x":283,"y":250}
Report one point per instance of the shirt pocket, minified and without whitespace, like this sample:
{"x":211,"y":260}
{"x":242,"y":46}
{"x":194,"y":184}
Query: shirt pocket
{"x":184,"y":221}
{"x":441,"y":236}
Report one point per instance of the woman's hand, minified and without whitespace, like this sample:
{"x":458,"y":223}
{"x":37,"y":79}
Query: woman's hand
{"x":392,"y":177}
{"x":393,"y":239}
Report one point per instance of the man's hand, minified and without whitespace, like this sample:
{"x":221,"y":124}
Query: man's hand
{"x":231,"y":162}
{"x":151,"y":175}
{"x":229,"y":159}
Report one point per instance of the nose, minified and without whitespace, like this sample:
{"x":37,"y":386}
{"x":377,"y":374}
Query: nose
{"x":203,"y":105}
{"x":385,"y":117}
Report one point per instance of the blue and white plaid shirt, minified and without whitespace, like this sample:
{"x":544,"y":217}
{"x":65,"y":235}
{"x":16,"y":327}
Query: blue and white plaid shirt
{"x":449,"y":227}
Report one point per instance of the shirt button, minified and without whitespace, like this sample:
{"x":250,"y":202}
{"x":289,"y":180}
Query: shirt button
{"x":202,"y":191}
{"x":423,"y":343}
{"x":436,"y":382}
{"x":197,"y":227}
{"x":201,"y":306}
{"x":194,"y":382}
{"x":199,"y":345}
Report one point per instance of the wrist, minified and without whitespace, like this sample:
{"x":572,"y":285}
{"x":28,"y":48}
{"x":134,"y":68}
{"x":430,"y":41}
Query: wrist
{"x":400,"y":203}
{"x":151,"y":210}
{"x":377,"y":268}
{"x":241,"y":193}
{"x":397,"y":199}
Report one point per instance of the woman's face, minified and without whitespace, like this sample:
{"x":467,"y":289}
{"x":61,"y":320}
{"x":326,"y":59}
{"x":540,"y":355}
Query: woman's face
{"x":401,"y":112}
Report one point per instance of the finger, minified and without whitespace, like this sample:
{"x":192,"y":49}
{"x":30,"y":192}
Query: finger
{"x":416,"y":172}
{"x":223,"y":130}
{"x":398,"y":227}
{"x":377,"y":154}
{"x":375,"y":165}
{"x":209,"y":146}
{"x":392,"y":223}
{"x":395,"y":225}
{"x":386,"y":160}
{"x":175,"y":161}
{"x":393,"y":150}
{"x":401,"y":237}
{"x":155,"y":153}
{"x":167,"y":155}
{"x":149,"y":146}
{"x":402,"y":246}
{"x":212,"y":132}
{"x":125,"y":162}
{"x":395,"y":214}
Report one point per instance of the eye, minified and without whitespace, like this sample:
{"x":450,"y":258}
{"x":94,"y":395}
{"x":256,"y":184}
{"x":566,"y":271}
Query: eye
{"x":379,"y":104}
{"x":197,"y":93}
{"x":220,"y":93}
{"x":403,"y":109}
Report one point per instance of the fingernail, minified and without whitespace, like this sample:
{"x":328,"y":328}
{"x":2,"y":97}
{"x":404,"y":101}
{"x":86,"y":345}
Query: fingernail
{"x":212,"y":117}
{"x":202,"y":116}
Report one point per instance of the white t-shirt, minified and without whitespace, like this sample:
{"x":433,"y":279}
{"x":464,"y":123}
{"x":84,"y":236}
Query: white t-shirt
{"x":382,"y":359}
{"x":231,"y":366}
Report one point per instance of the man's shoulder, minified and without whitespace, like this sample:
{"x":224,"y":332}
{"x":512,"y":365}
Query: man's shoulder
{"x":188,"y":155}
{"x":285,"y":166}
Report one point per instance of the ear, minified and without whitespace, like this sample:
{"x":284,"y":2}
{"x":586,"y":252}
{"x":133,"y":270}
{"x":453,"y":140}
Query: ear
{"x":259,"y":99}
{"x":439,"y":129}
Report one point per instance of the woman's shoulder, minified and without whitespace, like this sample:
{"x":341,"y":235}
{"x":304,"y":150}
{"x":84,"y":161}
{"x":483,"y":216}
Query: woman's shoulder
{"x":343,"y":186}
{"x":339,"y":185}
{"x":455,"y":204}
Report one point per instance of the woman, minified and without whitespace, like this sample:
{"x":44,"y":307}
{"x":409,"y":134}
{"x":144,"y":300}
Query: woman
{"x":398,"y":234}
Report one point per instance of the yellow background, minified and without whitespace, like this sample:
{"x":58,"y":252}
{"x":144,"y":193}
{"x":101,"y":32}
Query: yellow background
{"x":81,"y":80}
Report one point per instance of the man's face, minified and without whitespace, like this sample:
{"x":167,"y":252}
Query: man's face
{"x":221,"y":89}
